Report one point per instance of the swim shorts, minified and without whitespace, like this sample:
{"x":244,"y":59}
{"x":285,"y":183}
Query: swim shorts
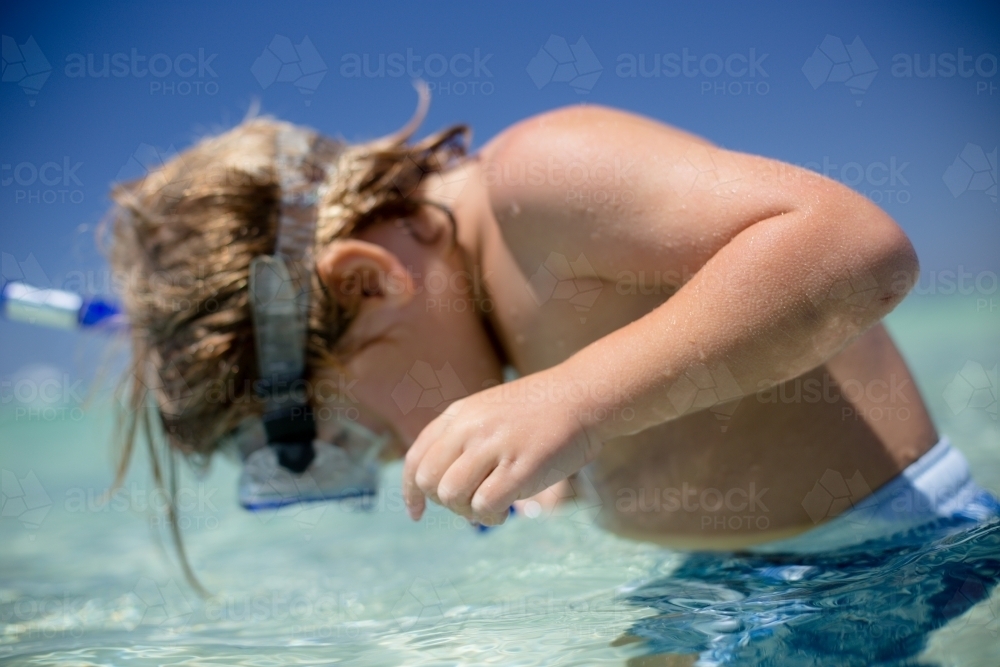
{"x":936,"y":488}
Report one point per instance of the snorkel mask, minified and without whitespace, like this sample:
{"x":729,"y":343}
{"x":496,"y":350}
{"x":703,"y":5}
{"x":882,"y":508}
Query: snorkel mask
{"x":283,"y":461}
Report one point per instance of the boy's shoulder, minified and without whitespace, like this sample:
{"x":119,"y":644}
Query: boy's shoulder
{"x":574,"y":127}
{"x":612,"y":184}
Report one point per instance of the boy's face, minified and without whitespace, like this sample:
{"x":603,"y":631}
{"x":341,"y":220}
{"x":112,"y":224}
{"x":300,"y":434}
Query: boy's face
{"x":418,"y":342}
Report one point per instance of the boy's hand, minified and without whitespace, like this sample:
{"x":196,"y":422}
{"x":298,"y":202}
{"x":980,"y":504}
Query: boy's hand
{"x":489,"y":449}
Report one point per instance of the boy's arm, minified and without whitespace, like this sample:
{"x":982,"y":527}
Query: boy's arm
{"x":787,"y":267}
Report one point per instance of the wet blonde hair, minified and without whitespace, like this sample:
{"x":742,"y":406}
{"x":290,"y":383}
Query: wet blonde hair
{"x":181,"y":239}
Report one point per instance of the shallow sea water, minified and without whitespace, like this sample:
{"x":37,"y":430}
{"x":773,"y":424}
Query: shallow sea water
{"x":85,"y":582}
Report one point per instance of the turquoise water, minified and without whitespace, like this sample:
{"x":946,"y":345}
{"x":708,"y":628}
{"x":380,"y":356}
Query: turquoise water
{"x":89,"y":583}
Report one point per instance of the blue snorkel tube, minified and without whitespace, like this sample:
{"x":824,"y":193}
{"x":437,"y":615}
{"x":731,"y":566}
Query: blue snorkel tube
{"x":20,"y":302}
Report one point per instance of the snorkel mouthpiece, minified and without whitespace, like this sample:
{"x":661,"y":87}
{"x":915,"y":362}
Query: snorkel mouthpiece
{"x":295,"y":456}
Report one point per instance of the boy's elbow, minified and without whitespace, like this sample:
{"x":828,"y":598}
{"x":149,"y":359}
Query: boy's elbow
{"x":882,"y":253}
{"x":901,"y":260}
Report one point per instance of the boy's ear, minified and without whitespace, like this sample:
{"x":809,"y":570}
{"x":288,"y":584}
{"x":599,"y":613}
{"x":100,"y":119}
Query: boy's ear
{"x":354,"y":270}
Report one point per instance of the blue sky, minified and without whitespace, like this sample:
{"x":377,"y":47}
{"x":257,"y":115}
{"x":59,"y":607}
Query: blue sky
{"x":183,"y":69}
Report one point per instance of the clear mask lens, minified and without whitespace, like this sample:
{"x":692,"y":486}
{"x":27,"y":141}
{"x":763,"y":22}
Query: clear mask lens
{"x":345,"y":469}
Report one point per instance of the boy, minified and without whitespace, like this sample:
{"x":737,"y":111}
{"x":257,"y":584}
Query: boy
{"x":695,"y":331}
